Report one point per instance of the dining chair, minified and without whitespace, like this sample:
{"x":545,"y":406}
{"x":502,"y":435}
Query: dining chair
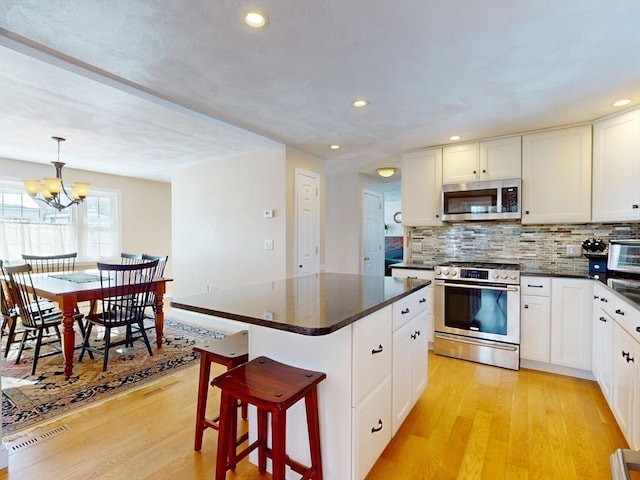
{"x":36,"y":318}
{"x":65,"y":263}
{"x":9,"y":313}
{"x":51,"y":263}
{"x":125,"y":295}
{"x":162,"y":263}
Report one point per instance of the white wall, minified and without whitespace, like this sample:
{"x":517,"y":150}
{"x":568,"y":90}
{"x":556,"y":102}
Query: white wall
{"x":390,"y":208}
{"x":343,"y":220}
{"x":145,"y":207}
{"x":218,"y":227}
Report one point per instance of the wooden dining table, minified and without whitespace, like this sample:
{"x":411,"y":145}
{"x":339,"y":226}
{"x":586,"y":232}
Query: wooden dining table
{"x":68,"y":289}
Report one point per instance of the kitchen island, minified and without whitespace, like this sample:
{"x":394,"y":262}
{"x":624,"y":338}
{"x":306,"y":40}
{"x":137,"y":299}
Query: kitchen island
{"x":367,"y":333}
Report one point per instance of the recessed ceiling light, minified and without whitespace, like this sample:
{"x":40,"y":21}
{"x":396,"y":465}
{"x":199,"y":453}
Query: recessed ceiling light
{"x":622,"y":103}
{"x":334,"y":147}
{"x":360,"y":103}
{"x":255,"y":19}
{"x":454,"y":137}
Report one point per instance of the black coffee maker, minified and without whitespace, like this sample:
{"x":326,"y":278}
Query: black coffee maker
{"x":596,"y":253}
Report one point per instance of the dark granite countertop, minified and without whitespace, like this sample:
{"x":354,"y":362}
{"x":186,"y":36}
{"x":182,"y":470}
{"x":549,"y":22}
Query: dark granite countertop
{"x":417,"y":266}
{"x":309,"y":305}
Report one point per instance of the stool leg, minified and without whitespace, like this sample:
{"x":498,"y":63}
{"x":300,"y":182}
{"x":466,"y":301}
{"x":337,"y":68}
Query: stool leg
{"x":262,"y":439}
{"x":278,"y":443}
{"x":225,"y":435}
{"x":203,"y":391}
{"x":313,"y":425}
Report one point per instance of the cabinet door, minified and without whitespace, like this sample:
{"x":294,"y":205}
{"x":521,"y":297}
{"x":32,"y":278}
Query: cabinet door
{"x":556,"y":176}
{"x":419,"y":356}
{"x":421,"y":183}
{"x":501,"y":158}
{"x":401,"y":375}
{"x":602,"y":348}
{"x":616,"y":168}
{"x":626,"y":405}
{"x":571,"y":322}
{"x":461,"y":163}
{"x":535,"y":325}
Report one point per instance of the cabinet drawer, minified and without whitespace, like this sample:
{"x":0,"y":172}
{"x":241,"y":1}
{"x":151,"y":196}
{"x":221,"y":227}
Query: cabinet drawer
{"x":408,"y":307}
{"x":540,"y":286}
{"x":412,"y":273}
{"x":627,"y":316}
{"x":371,"y":428}
{"x":371,"y":352}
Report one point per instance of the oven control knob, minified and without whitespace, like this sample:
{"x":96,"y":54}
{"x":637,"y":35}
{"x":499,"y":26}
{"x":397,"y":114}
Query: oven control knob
{"x":504,"y":276}
{"x":513,"y":276}
{"x":453,"y":273}
{"x":496,"y":275}
{"x":445,"y":272}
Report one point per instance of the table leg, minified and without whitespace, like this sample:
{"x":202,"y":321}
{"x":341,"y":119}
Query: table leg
{"x":68,"y":307}
{"x":159,"y":313}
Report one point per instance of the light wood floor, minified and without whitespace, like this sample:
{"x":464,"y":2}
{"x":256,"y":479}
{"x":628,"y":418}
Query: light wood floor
{"x":473,"y":421}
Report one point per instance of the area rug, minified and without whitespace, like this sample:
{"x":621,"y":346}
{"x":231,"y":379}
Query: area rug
{"x":29,"y":399}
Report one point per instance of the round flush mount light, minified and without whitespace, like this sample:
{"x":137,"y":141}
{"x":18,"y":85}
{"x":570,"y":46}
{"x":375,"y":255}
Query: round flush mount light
{"x":360,"y":103}
{"x":386,"y":172}
{"x":454,"y":137}
{"x":255,"y":19}
{"x":334,"y":147}
{"x":622,"y":102}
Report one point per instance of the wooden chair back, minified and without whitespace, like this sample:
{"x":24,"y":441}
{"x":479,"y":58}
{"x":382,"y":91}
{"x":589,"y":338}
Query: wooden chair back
{"x":32,"y":310}
{"x":130,"y":258}
{"x":162,"y":262}
{"x":129,"y":287}
{"x":52,"y":263}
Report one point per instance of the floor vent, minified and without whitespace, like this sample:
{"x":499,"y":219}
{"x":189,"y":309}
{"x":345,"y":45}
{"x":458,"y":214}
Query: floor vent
{"x":161,"y":388}
{"x":22,"y":443}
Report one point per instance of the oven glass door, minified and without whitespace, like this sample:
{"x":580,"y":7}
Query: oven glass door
{"x":480,"y":311}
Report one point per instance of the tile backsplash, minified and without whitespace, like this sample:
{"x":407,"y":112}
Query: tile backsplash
{"x":537,"y":248}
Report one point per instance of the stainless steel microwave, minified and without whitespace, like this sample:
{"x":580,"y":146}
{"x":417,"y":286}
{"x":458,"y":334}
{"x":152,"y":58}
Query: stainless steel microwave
{"x":488,"y":200}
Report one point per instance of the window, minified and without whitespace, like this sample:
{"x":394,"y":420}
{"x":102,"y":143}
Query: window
{"x":26,"y":226}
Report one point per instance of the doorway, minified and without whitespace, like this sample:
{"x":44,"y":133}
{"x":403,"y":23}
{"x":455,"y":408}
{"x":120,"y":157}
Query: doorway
{"x":307,"y":222}
{"x":372,"y":234}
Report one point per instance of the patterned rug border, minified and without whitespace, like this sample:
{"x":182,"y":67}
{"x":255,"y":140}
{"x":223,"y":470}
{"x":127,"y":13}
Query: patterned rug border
{"x":17,"y":419}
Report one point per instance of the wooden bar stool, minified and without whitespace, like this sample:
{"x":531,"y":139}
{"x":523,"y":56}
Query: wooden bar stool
{"x":229,"y":351}
{"x":272,"y":387}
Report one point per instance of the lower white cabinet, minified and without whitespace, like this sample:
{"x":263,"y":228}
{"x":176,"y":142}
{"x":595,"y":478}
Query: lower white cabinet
{"x":428,"y":291}
{"x":535,"y":318}
{"x":626,"y":384}
{"x":602,"y":353}
{"x":371,"y":428}
{"x":571,"y":322}
{"x":409,"y":367}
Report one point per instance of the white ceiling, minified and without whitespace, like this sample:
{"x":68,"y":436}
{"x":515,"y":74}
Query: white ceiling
{"x":139,"y":87}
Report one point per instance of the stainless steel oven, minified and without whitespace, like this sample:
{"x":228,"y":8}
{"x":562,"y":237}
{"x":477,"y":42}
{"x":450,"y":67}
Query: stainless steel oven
{"x":477,"y":313}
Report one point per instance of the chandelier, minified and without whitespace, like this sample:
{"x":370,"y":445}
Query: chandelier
{"x":52,"y":192}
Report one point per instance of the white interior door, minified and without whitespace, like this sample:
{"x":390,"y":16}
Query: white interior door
{"x":307,"y":223}
{"x":373,"y":253}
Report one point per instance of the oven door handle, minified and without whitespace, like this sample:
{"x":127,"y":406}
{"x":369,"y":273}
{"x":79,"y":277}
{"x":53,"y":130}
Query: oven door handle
{"x":511,"y":288}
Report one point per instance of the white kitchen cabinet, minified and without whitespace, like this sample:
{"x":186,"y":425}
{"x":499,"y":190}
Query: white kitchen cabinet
{"x":571,"y":322}
{"x":556,"y":176}
{"x":427,"y":292}
{"x":409,"y":367}
{"x":461,"y":163}
{"x":626,"y":384}
{"x":421,"y":183}
{"x":535,"y":318}
{"x":602,"y":339}
{"x":616,"y":168}
{"x":489,"y":160}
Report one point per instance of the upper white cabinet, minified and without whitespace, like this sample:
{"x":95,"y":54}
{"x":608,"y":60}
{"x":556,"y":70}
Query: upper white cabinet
{"x":489,"y":160}
{"x":460,"y":163}
{"x":556,"y":176}
{"x":616,"y":168}
{"x":421,"y":183}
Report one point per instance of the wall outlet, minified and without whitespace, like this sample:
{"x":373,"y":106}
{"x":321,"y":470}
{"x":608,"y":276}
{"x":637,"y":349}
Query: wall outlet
{"x":574,"y":250}
{"x":268,"y":214}
{"x":268,"y":244}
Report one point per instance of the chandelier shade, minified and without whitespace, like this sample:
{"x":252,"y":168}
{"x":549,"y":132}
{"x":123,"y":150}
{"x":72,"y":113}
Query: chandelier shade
{"x":52,"y":192}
